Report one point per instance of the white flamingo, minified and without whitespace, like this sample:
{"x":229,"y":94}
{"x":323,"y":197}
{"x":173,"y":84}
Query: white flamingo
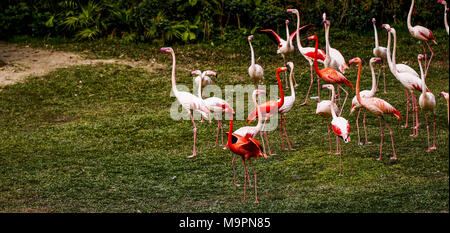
{"x":334,"y":58}
{"x":287,"y":106}
{"x":445,"y":14}
{"x":187,"y":100}
{"x":255,"y":71}
{"x":379,"y":51}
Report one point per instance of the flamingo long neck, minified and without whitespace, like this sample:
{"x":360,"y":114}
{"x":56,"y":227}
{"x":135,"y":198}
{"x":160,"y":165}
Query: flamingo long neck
{"x":174,"y":84}
{"x":394,"y":50}
{"x":374,"y":81}
{"x":299,"y":44}
{"x":358,"y":96}
{"x":287,"y":32}
{"x":327,"y":43}
{"x":200,"y":85}
{"x":389,"y":58}
{"x":259,"y":125}
{"x":230,"y":132}
{"x":333,"y":113}
{"x":376,"y":35}
{"x":424,"y":86}
{"x":316,"y":67}
{"x":408,"y":22}
{"x":445,"y":17}
{"x":292,"y":84}
{"x":280,"y":86}
{"x":252,"y":53}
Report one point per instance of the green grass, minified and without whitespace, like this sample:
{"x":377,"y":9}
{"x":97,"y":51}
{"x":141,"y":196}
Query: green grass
{"x":100,"y":139}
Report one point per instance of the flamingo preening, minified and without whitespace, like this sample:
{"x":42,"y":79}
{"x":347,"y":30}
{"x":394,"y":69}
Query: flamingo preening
{"x":365,"y":94}
{"x":247,"y":147}
{"x":269,"y":109}
{"x":249,"y":131}
{"x":323,"y":109}
{"x":377,"y":106}
{"x":445,"y":14}
{"x":340,"y":126}
{"x":427,"y":103}
{"x":423,"y":34}
{"x":445,"y":95}
{"x":410,"y":81}
{"x":380,"y":52}
{"x":287,"y":106}
{"x":255,"y":71}
{"x":330,"y":75}
{"x":308,"y":54}
{"x":187,"y":100}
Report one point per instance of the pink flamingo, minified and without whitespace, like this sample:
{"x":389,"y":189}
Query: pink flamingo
{"x":377,"y":106}
{"x":308,"y":54}
{"x":445,"y":95}
{"x":269,"y":109}
{"x":445,"y":14}
{"x":287,"y":106}
{"x":330,"y":75}
{"x":202,"y":80}
{"x":323,"y":109}
{"x":365,"y":94}
{"x":334,"y":58}
{"x":255,"y":71}
{"x":187,"y":100}
{"x":249,"y":131}
{"x":427,"y":103}
{"x":379,"y":52}
{"x":340,"y":126}
{"x":248,"y":148}
{"x":409,"y":81}
{"x":423,"y":34}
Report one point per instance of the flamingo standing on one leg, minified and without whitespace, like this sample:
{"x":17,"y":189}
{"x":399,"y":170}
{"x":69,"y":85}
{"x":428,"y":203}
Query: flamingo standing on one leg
{"x":255,"y":71}
{"x":445,"y":94}
{"x":287,"y":106}
{"x":409,"y":81}
{"x":323,"y":109}
{"x":187,"y":100}
{"x":341,"y":127}
{"x":377,"y":106}
{"x":427,"y":103}
{"x":269,"y":109}
{"x":445,"y":14}
{"x":308,"y":54}
{"x":380,"y":52}
{"x":365,"y":94}
{"x":250,"y":131}
{"x":423,"y":34}
{"x":247,"y":147}
{"x":329,"y":75}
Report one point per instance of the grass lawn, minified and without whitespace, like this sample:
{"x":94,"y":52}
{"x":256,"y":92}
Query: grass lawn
{"x":100,"y":138}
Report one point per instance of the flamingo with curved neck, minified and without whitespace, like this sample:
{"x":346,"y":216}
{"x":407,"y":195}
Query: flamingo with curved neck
{"x":380,"y":52}
{"x":255,"y":71}
{"x":445,"y":14}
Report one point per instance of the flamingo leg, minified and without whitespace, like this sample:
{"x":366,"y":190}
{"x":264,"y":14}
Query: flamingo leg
{"x":267,"y":140}
{"x":384,"y":76}
{"x":346,"y":96}
{"x":295,"y":82}
{"x":318,"y":87}
{"x":415,"y":110}
{"x":349,"y":160}
{"x":195,"y":136}
{"x":357,"y":127}
{"x":256,"y":190}
{"x":245,"y":178}
{"x":428,"y":131}
{"x":234,"y":171}
{"x":285,"y":75}
{"x":217,"y":136}
{"x":287,"y":138}
{"x":221,"y":130}
{"x":281,"y":132}
{"x":431,"y":57}
{"x":262,"y":138}
{"x":378,"y":78}
{"x":365,"y":129}
{"x":310,"y":85}
{"x":340,"y":157}
{"x":425,"y":53}
{"x":407,"y":108}
{"x":329,"y":137}
{"x":434,"y":133}
{"x":392,"y":139}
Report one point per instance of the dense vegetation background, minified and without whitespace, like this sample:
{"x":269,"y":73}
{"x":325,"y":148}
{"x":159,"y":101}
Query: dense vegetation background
{"x":184,"y":21}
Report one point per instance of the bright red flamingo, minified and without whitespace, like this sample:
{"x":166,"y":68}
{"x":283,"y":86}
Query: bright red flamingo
{"x":427,"y":103}
{"x":330,"y":75}
{"x":423,"y":34}
{"x":187,"y":100}
{"x":376,"y":106}
{"x":247,"y":147}
{"x":308,"y":54}
{"x":341,"y":128}
{"x":269,"y":109}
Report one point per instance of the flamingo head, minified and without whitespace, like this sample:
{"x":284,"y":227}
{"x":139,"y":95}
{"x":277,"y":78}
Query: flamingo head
{"x":420,"y":56}
{"x":290,"y":64}
{"x":374,"y":20}
{"x":442,"y":2}
{"x":324,"y":16}
{"x":326,"y":22}
{"x":227,"y":109}
{"x":374,"y":59}
{"x":281,"y":69}
{"x":445,"y":94}
{"x":166,"y":49}
{"x":355,"y":60}
{"x":386,"y":26}
{"x":250,"y":37}
{"x":328,"y":86}
{"x":313,"y":37}
{"x":295,"y":11}
{"x":196,"y":72}
{"x":287,"y":22}
{"x":353,"y":108}
{"x":209,"y":72}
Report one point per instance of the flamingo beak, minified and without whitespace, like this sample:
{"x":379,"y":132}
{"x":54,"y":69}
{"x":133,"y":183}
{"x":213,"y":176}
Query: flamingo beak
{"x":377,"y":59}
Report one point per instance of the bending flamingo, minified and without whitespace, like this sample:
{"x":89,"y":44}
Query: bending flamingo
{"x":340,"y":126}
{"x":376,"y":106}
{"x":445,"y":95}
{"x":255,"y":71}
{"x":365,"y":94}
{"x":427,"y":103}
{"x":287,"y":106}
{"x":423,"y":34}
{"x":445,"y":14}
{"x":323,"y":109}
{"x":187,"y":100}
{"x":379,"y":52}
{"x":330,"y":75}
{"x":308,"y":54}
{"x":248,"y":148}
{"x":269,"y":109}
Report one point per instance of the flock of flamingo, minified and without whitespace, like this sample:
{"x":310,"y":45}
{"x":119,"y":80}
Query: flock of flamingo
{"x":243,"y":141}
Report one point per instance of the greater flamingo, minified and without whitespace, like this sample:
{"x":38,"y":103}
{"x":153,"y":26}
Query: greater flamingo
{"x":323,"y":109}
{"x":401,"y":68}
{"x":330,"y":75}
{"x":202,"y":80}
{"x":380,"y":52}
{"x":377,"y":106}
{"x":248,"y":148}
{"x":365,"y":94}
{"x":287,"y":106}
{"x":187,"y":100}
{"x":255,"y":71}
{"x":409,"y":81}
{"x":269,"y":108}
{"x":445,"y":95}
{"x":340,"y":126}
{"x":445,"y":14}
{"x":333,"y":58}
{"x":427,"y":103}
{"x":423,"y":34}
{"x":308,"y":54}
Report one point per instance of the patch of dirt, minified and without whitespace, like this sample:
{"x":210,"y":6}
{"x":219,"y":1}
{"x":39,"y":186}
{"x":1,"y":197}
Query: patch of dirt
{"x":21,"y":61}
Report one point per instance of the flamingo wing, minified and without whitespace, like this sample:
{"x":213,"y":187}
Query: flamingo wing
{"x":275,"y":37}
